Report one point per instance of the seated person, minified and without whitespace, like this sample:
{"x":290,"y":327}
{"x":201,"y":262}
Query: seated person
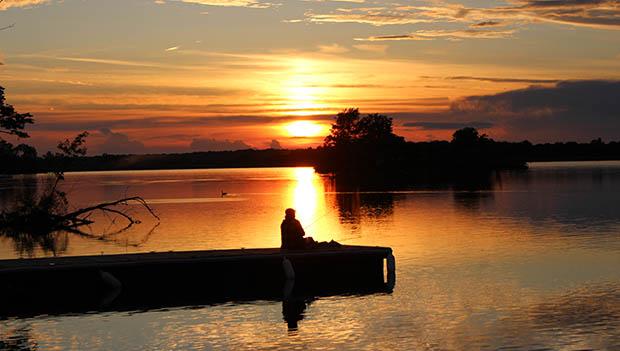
{"x":292,"y":233}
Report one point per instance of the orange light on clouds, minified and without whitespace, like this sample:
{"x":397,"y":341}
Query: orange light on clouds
{"x":305,"y":129}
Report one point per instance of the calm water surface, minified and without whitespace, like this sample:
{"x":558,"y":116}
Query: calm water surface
{"x":528,"y":260}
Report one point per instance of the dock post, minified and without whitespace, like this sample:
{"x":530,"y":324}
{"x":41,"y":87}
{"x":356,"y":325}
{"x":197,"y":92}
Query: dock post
{"x":289,"y":272}
{"x":110,"y":280}
{"x":390,"y":263}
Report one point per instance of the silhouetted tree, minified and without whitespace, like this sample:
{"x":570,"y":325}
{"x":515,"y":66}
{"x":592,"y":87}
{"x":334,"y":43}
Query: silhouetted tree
{"x":468,"y":136}
{"x":345,"y":130}
{"x":12,"y":122}
{"x":375,"y":128}
{"x":361,"y":144}
{"x":350,"y":128}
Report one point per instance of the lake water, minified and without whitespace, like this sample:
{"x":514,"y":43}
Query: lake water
{"x":529,"y":260}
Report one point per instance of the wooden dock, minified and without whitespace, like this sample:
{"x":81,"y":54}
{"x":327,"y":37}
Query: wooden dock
{"x":128,"y":281}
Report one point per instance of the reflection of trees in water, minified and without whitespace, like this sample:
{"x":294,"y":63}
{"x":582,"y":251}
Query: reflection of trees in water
{"x":581,"y":198}
{"x":470,"y":193}
{"x":25,"y":192}
{"x":26,"y":244}
{"x":17,"y":188}
{"x":18,"y":339}
{"x":57,"y":242}
{"x":377,"y":205}
{"x":353,"y":204}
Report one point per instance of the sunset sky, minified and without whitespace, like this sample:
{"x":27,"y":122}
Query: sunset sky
{"x":196,"y":75}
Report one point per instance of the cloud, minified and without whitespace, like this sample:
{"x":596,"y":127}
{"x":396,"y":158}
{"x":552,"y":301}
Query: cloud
{"x":444,"y":34}
{"x":353,"y":1}
{"x":579,"y":110}
{"x":154,"y":122}
{"x":380,"y":49}
{"x":376,"y":16}
{"x":274,"y":144}
{"x":448,"y":125}
{"x":231,"y":3}
{"x":49,"y":87}
{"x":503,"y":79}
{"x":119,"y":143}
{"x":208,"y":144}
{"x":103,"y":61}
{"x":332,"y":49}
{"x":568,"y":110}
{"x":602,"y":14}
{"x":487,"y":24}
{"x":7,"y":4}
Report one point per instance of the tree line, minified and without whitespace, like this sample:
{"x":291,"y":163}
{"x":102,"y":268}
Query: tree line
{"x":357,"y":145}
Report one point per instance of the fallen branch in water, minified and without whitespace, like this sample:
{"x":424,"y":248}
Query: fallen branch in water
{"x":41,"y":218}
{"x":74,"y":217}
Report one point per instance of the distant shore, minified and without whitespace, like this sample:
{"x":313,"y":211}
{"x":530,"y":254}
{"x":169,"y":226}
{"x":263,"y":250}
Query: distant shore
{"x":424,"y":157}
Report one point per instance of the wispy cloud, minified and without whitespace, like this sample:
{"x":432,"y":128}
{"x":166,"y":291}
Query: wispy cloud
{"x":332,"y":49}
{"x":108,"y":61}
{"x":487,"y":24}
{"x":98,"y":60}
{"x":230,"y":3}
{"x":445,"y":34}
{"x":504,"y":79}
{"x":381,"y":49}
{"x":376,"y":16}
{"x":20,"y":3}
{"x":602,"y":14}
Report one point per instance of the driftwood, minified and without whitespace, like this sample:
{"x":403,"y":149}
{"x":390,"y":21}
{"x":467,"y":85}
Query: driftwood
{"x":79,"y":217}
{"x":38,"y":223}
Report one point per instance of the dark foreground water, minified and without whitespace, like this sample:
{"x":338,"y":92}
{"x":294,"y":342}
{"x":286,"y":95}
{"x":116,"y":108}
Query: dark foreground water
{"x":528,"y":260}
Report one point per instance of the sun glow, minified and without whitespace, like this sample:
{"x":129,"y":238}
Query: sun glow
{"x":305,"y":129}
{"x":304,"y":90}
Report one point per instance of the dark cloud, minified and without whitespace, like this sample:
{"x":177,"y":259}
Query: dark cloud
{"x":448,"y":125}
{"x":119,"y":143}
{"x":565,"y":111}
{"x":208,"y":144}
{"x":597,"y":97}
{"x":487,"y":24}
{"x":274,"y":144}
{"x":569,"y":110}
{"x":504,"y":80}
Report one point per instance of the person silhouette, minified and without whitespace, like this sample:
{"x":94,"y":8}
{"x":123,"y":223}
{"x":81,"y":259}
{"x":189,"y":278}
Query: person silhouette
{"x":292,"y":233}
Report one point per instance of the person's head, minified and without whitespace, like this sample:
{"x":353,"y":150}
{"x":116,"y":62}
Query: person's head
{"x":289,"y":213}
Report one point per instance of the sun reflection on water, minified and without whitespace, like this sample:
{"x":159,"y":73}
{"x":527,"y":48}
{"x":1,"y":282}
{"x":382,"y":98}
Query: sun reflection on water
{"x":305,"y":195}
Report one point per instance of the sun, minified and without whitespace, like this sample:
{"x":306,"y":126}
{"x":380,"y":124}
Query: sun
{"x":305,"y":129}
